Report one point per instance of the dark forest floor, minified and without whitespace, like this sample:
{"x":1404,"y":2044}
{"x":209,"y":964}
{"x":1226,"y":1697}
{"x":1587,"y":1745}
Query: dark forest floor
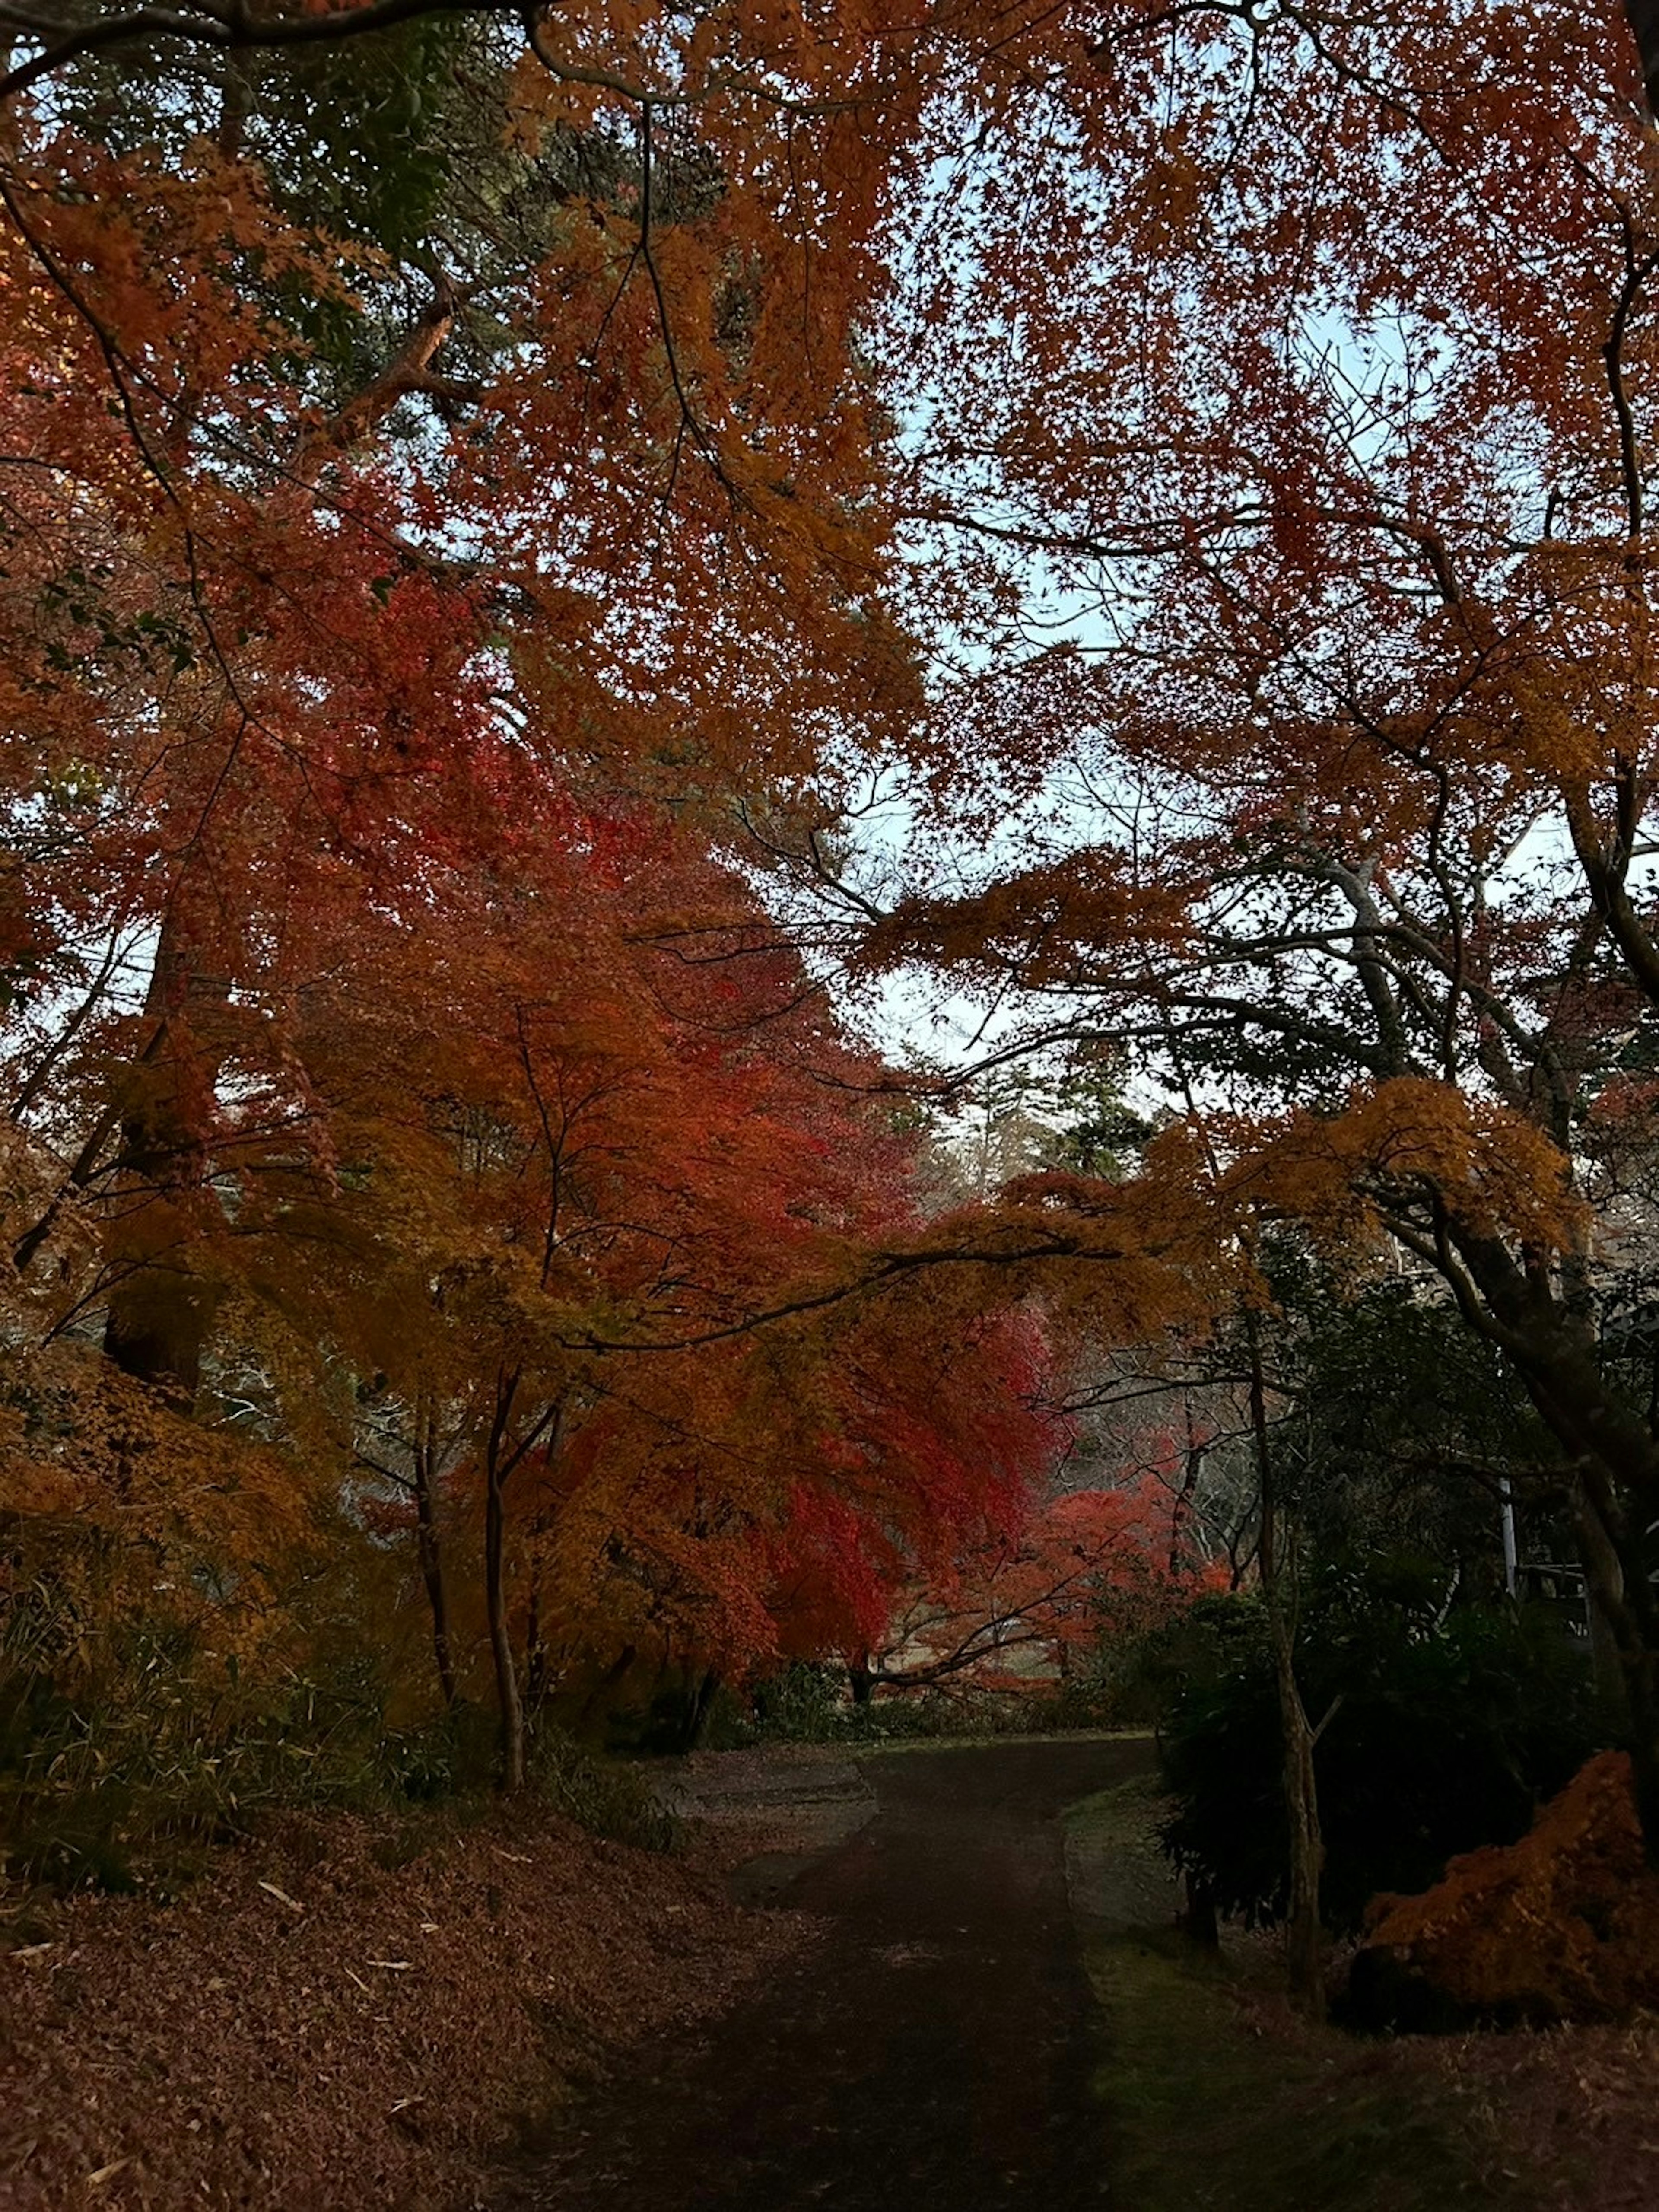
{"x":347,"y":2014}
{"x":999,"y":2016}
{"x":956,"y":1995}
{"x":1221,"y":2100}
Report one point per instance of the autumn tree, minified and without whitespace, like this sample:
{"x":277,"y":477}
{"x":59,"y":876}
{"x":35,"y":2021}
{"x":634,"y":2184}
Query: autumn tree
{"x":498,"y":1225}
{"x":302,"y":588}
{"x":408,"y":414}
{"x":1330,"y":459}
{"x":1082,"y":1565}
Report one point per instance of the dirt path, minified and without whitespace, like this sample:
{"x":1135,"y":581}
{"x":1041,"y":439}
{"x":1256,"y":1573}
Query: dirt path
{"x":934,"y":2051}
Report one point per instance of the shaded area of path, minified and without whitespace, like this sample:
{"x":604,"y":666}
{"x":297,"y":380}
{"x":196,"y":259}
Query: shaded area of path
{"x":933,"y":2053}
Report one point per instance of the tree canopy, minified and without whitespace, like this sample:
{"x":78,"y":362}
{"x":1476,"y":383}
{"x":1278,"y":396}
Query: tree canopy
{"x":487,"y":494}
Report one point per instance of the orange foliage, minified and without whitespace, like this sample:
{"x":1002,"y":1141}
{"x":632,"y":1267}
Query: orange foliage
{"x":1563,"y":1925}
{"x":406,"y":1091}
{"x":386,"y":632}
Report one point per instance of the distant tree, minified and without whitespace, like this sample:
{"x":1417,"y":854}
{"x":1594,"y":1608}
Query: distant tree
{"x":1085,"y":1565}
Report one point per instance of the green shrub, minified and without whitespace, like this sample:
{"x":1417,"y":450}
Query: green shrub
{"x":806,"y":1703}
{"x":127,"y":1755}
{"x":135,"y":1763}
{"x":607,"y":1795}
{"x":1443,"y":1734}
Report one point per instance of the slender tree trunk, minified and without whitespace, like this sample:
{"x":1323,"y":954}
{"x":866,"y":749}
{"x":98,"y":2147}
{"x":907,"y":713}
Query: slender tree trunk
{"x":1304,"y":1933}
{"x":500,"y":1457}
{"x":1604,"y":1585}
{"x":430,"y":1553}
{"x":1181,"y":1514}
{"x":699,"y":1705}
{"x":507,"y":1701}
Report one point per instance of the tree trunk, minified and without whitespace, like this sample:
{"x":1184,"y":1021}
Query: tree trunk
{"x":1200,"y":1917}
{"x":699,"y":1708}
{"x":859,"y":1681}
{"x":1642,"y":16}
{"x":162,"y":1307}
{"x":1181,"y":1514}
{"x":507,"y":1701}
{"x":1554,"y":1352}
{"x":1304,"y":1936}
{"x":431,"y":1559}
{"x":1604,"y":1585}
{"x":1625,"y":1646}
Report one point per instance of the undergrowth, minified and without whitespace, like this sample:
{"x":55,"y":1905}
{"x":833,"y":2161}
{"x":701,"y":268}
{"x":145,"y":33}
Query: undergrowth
{"x":126,"y":1770}
{"x":809,"y":1703}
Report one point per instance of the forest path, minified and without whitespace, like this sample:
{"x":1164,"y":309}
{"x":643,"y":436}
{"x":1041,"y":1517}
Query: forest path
{"x":934,"y":2052}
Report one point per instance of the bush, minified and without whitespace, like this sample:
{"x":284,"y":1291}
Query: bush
{"x":604,"y":1795}
{"x":160,"y":1749}
{"x":126,"y":1756}
{"x":1443,"y":1736}
{"x":809,"y":1703}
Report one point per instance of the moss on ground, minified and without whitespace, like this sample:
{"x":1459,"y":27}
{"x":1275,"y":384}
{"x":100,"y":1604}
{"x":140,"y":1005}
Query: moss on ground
{"x":1218,"y":2098}
{"x":989,"y":1739}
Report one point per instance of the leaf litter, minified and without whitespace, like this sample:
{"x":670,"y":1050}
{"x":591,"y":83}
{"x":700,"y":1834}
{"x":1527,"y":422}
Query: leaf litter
{"x":386,"y":2039}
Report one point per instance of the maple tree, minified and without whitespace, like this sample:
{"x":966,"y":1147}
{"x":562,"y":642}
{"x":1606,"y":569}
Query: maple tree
{"x":457,"y":462}
{"x":440,"y":472}
{"x":491,"y":1208}
{"x":1321,"y":432}
{"x":293,"y":612}
{"x":1083,"y":1564}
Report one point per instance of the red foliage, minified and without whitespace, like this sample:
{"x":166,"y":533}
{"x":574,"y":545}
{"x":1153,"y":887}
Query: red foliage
{"x":1082,"y":1566}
